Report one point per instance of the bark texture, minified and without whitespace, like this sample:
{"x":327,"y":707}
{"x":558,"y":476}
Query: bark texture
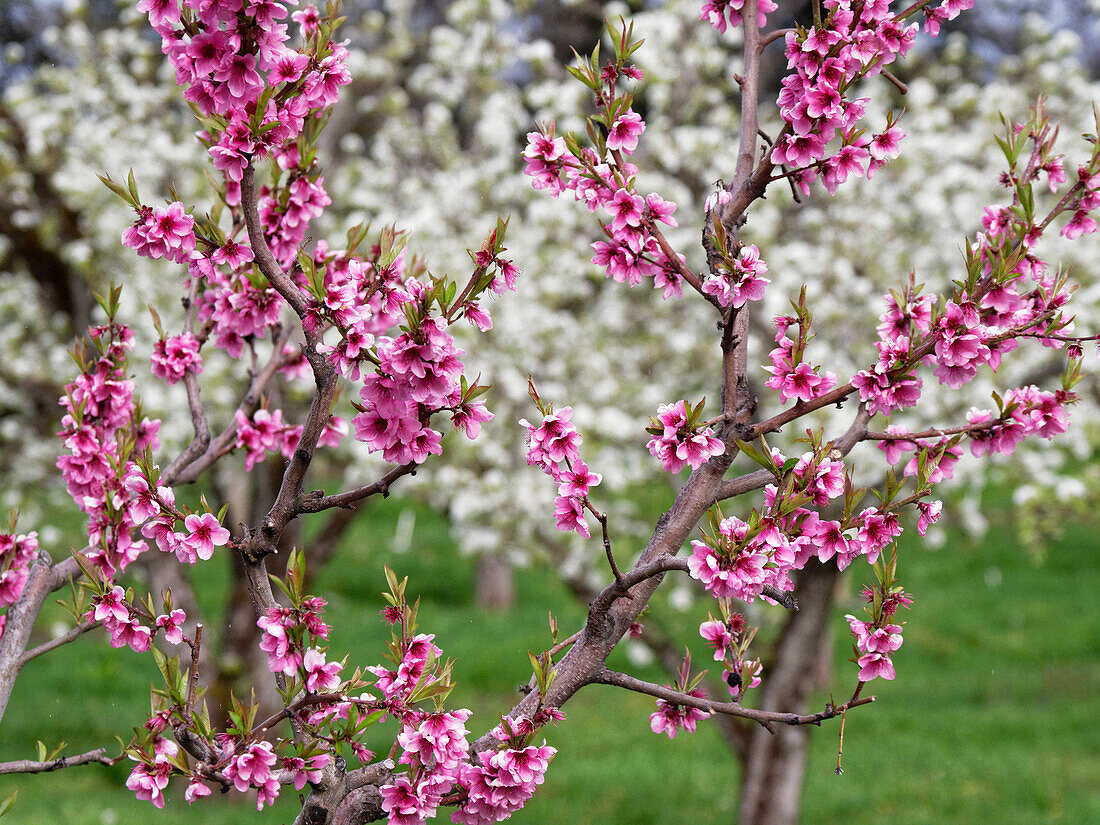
{"x":774,"y":765}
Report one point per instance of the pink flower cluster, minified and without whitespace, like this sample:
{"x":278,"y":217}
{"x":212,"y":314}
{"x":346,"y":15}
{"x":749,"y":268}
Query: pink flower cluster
{"x":679,"y":444}
{"x":966,"y":335}
{"x":888,"y":386}
{"x":743,"y":283}
{"x":671,"y":719}
{"x":283,"y":640}
{"x":17,"y":552}
{"x":228,"y":55}
{"x":875,"y":644}
{"x":723,"y":13}
{"x":397,"y":685}
{"x":418,"y":374}
{"x":435,"y":747}
{"x":175,"y":356}
{"x":303,"y":771}
{"x":554,"y":445}
{"x":113,"y":612}
{"x":792,"y":377}
{"x":1082,"y":223}
{"x":98,"y":426}
{"x":150,"y":776}
{"x":202,"y":532}
{"x":722,"y":637}
{"x":265,"y":432}
{"x":163,"y":233}
{"x":855,"y":40}
{"x":501,"y":783}
{"x":252,"y":769}
{"x":1028,"y":411}
{"x":746,"y":556}
{"x":632,"y":251}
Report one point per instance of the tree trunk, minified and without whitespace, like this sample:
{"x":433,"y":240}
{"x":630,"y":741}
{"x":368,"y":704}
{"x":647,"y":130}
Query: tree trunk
{"x":772,"y":772}
{"x":496,"y":585}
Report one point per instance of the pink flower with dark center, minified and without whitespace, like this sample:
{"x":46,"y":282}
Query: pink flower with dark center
{"x":320,"y":676}
{"x":204,"y":534}
{"x":671,"y":719}
{"x":718,"y":637}
{"x":627,"y":209}
{"x":172,"y":624}
{"x":625,"y":131}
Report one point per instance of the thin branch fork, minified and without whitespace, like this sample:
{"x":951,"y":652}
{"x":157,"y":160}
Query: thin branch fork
{"x":315,"y":502}
{"x":659,"y":567}
{"x":767,"y":718}
{"x":265,"y":541}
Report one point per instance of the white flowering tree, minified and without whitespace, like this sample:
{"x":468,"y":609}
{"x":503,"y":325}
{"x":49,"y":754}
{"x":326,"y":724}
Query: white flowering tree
{"x":370,"y":314}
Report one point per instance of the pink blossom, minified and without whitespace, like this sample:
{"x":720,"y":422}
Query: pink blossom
{"x":320,"y":675}
{"x":670,"y":719}
{"x":204,"y":534}
{"x":111,"y":607}
{"x":625,"y":131}
{"x":718,"y":637}
{"x":176,"y":356}
{"x":172,"y":624}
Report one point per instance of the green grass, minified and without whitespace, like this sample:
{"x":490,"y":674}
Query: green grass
{"x":991,"y":719}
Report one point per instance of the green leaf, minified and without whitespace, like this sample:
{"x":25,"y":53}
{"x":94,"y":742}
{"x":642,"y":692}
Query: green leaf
{"x":6,"y":805}
{"x":118,"y":189}
{"x":756,"y":456}
{"x":132,"y":185}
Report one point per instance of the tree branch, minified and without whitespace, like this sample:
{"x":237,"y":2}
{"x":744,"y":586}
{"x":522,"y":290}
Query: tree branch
{"x":764,"y":717}
{"x":98,"y":756}
{"x":56,"y":642}
{"x":316,"y":501}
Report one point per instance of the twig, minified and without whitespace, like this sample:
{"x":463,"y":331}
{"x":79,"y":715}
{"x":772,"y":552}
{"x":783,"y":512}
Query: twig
{"x":314,"y":503}
{"x":98,"y":756}
{"x":564,"y":643}
{"x":901,"y":87}
{"x":778,"y":34}
{"x":56,"y":642}
{"x":932,"y":432}
{"x":763,"y":717}
{"x":193,"y":676}
{"x":180,"y":472}
{"x":265,"y":540}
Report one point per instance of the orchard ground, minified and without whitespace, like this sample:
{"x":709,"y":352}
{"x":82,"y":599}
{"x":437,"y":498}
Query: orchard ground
{"x":992,"y":717}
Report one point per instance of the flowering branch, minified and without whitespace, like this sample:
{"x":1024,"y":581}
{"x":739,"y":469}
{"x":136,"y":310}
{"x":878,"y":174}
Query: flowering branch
{"x":763,"y":717}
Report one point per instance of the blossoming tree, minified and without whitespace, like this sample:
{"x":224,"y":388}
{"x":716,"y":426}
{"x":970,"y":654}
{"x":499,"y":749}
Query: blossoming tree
{"x":371,"y":315}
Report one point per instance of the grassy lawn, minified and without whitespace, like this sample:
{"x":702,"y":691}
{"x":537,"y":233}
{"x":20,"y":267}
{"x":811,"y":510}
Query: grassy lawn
{"x":992,"y":717}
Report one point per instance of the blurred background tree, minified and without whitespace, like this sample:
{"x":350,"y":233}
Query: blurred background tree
{"x":430,"y":138}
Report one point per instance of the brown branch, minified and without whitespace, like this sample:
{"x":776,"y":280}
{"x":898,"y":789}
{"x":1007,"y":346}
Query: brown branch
{"x":778,"y":34}
{"x":265,"y":258}
{"x":265,"y":540}
{"x":98,"y":756}
{"x":898,"y":84}
{"x":750,"y":91}
{"x":932,"y":432}
{"x":193,"y":676}
{"x":756,"y":480}
{"x":225,"y":442}
{"x":315,"y":502}
{"x":57,"y":642}
{"x":764,"y":717}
